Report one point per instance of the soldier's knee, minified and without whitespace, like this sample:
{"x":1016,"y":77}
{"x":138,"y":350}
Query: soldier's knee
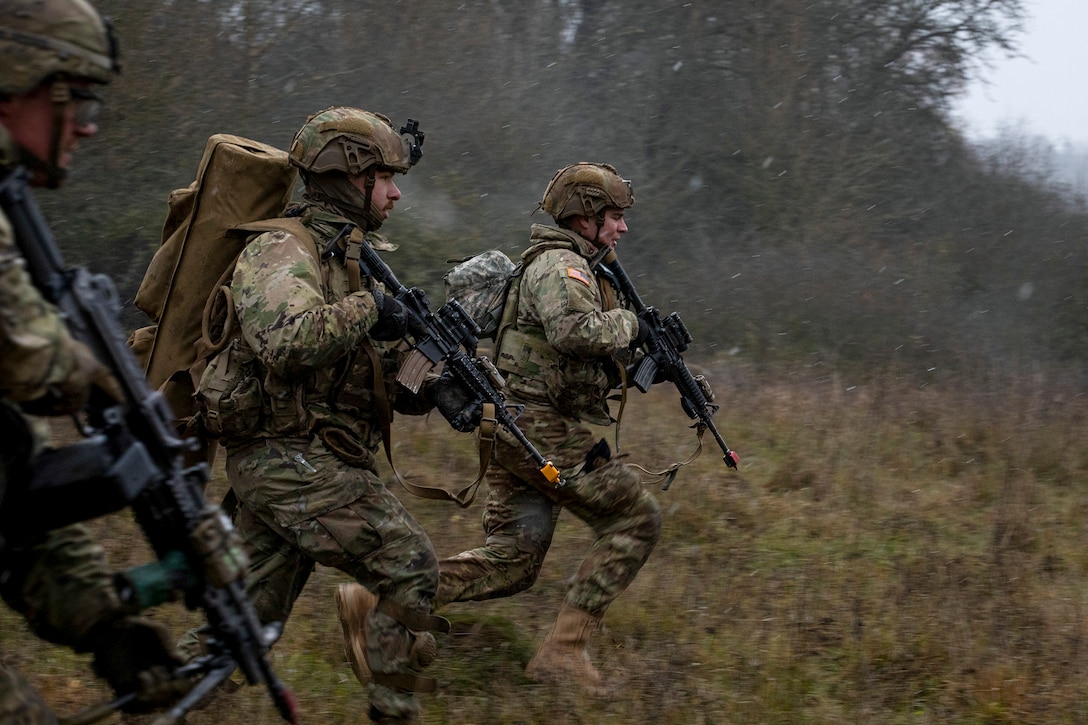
{"x":524,"y":555}
{"x":651,"y":514}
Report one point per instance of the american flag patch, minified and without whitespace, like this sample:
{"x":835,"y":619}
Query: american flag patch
{"x":575,"y":273}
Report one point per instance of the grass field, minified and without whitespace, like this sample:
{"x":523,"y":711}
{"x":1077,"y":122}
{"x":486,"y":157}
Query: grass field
{"x":887,"y":553}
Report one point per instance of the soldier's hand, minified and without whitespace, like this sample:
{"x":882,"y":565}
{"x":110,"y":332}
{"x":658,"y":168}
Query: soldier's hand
{"x":392,"y":321}
{"x":456,"y":404}
{"x":137,"y":655}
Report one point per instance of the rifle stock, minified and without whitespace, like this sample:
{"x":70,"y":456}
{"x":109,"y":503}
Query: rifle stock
{"x":450,"y":335}
{"x":668,"y":337}
{"x":139,"y":456}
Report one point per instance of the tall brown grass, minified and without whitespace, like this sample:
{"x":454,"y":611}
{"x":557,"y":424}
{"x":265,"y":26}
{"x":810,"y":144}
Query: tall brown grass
{"x":888,"y":552}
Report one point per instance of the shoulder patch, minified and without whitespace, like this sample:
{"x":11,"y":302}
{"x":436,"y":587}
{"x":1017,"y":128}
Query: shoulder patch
{"x":575,"y":273}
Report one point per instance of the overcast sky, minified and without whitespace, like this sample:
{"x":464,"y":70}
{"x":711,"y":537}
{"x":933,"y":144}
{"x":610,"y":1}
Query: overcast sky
{"x":1045,"y":92}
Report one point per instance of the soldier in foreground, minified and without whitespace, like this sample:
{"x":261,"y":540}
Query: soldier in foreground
{"x":53,"y":53}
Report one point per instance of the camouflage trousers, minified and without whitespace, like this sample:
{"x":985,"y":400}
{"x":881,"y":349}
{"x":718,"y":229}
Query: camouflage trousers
{"x":301,"y":504}
{"x":523,"y":508}
{"x":62,"y":585}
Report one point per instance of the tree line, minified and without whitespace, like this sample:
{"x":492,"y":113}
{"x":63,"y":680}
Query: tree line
{"x":802,"y":193}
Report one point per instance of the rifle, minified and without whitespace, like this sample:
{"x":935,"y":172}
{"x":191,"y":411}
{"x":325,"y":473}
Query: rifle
{"x":667,"y":338}
{"x":132,"y":456}
{"x":450,"y":335}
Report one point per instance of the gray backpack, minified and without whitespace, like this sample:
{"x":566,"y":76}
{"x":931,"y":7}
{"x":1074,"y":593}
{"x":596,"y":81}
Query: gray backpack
{"x":480,"y":283}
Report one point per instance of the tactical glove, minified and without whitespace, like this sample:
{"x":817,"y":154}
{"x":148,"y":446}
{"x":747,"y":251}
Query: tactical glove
{"x":392,"y":321}
{"x":456,"y":404}
{"x":137,"y":655}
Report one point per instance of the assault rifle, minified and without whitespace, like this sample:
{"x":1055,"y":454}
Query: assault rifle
{"x":667,"y":338}
{"x":132,"y":456}
{"x":450,"y":335}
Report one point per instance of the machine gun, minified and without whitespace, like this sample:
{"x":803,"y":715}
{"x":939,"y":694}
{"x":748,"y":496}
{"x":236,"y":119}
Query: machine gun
{"x":450,"y":336}
{"x":131,"y":455}
{"x":668,"y":337}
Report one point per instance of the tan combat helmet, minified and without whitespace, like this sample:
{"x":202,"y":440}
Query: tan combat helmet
{"x":44,"y":39}
{"x":340,"y":142}
{"x":586,"y":189}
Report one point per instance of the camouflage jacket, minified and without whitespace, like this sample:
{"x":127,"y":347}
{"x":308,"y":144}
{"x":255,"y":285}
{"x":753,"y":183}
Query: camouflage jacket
{"x":303,"y":333}
{"x":36,"y":351}
{"x":560,"y":349}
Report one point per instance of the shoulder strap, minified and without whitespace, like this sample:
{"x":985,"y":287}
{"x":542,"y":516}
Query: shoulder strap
{"x":218,"y":323}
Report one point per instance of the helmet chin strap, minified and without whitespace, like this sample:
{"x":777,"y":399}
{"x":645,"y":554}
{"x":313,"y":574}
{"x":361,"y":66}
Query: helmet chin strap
{"x":54,"y":174}
{"x":50,"y":168}
{"x":337,"y":191}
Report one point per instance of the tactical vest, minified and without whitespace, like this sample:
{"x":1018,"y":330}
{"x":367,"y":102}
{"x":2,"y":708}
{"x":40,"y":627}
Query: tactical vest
{"x":536,"y":371}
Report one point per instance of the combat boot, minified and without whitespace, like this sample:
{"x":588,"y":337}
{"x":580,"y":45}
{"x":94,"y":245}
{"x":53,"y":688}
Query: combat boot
{"x":562,"y":657}
{"x":354,"y":602}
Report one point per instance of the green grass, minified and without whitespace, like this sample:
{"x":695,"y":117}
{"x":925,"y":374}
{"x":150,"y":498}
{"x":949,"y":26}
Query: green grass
{"x":885,"y":554}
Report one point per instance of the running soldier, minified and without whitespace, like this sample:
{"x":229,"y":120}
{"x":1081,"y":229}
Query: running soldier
{"x":310,"y":386}
{"x":560,"y":359}
{"x":52,"y":55}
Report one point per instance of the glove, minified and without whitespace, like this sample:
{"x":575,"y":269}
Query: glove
{"x":136,"y":654}
{"x":597,"y":456}
{"x":392,"y":321}
{"x":456,"y":404}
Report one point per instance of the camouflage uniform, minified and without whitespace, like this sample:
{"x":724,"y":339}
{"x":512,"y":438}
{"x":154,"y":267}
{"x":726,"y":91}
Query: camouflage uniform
{"x":60,"y":581}
{"x":558,"y":361}
{"x":305,"y":476}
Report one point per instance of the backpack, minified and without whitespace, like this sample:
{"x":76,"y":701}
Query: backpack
{"x":488,"y":286}
{"x":480,"y":284}
{"x":238,"y":181}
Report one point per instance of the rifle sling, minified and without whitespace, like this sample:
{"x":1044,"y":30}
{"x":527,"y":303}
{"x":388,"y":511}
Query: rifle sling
{"x":465,"y":496}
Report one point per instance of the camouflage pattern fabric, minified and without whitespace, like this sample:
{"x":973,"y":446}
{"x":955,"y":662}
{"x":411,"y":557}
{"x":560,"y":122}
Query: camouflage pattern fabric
{"x":60,"y":582}
{"x":560,"y":308}
{"x":300,"y":502}
{"x":520,"y":517}
{"x":37,"y":355}
{"x":560,"y":349}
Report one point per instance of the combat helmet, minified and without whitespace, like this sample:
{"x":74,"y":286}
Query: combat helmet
{"x":587,"y":189}
{"x":43,"y":39}
{"x":342,"y":142}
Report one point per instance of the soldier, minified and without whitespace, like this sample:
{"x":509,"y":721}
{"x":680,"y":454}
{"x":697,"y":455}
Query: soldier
{"x":52,"y":54}
{"x":560,"y":360}
{"x":317,"y":354}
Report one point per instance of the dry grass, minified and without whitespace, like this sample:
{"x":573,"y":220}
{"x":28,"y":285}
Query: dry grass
{"x":887,"y":553}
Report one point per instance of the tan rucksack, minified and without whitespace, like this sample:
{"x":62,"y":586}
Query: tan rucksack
{"x":238,"y":181}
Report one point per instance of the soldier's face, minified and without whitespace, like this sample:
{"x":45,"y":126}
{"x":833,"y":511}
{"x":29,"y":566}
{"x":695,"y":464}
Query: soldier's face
{"x":30,"y":120}
{"x":385,"y":192}
{"x":608,"y":233}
